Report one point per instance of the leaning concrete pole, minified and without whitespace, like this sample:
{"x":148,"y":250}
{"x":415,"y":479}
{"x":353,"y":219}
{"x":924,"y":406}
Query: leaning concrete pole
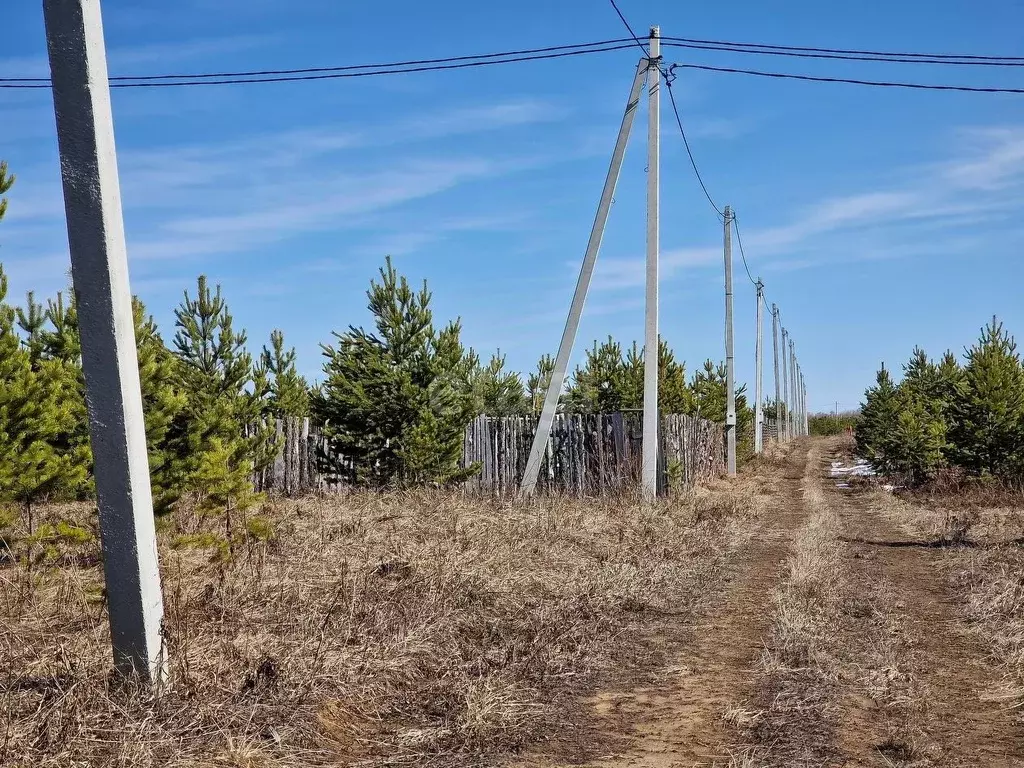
{"x":99,"y":264}
{"x":652,"y":425}
{"x":730,"y":360}
{"x":759,"y":372}
{"x":785,"y":435}
{"x":579,"y":298}
{"x":778,"y":380}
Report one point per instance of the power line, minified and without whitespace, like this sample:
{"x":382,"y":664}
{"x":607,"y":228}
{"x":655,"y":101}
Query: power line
{"x":531,"y":54}
{"x":391,"y":65}
{"x":743,"y":255}
{"x":333,"y":75}
{"x":348,"y":68}
{"x":851,"y":81}
{"x":757,"y":50}
{"x":628,"y":27}
{"x":669,"y":77}
{"x":849,"y":51}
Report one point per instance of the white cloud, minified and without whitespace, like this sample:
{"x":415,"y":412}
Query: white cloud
{"x":931,"y":213}
{"x":995,"y":159}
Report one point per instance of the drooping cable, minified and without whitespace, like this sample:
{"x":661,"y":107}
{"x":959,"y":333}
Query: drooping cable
{"x":337,"y":73}
{"x":852,"y":81}
{"x":669,"y":77}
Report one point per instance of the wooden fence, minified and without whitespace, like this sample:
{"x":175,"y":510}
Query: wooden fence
{"x":591,"y":454}
{"x":587,"y":454}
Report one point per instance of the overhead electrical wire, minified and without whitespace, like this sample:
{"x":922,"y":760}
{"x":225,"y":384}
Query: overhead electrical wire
{"x":557,"y":52}
{"x":629,"y":28}
{"x":679,"y":122}
{"x":851,"y":81}
{"x":337,"y":73}
{"x":743,"y":255}
{"x":728,"y":48}
{"x":853,"y":51}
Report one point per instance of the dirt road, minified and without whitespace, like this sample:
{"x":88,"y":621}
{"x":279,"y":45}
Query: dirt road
{"x":907,"y":686}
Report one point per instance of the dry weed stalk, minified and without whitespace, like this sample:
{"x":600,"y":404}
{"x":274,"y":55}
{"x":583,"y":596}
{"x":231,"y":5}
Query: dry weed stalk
{"x":797,"y":669}
{"x":424,"y":628}
{"x":983,"y":560}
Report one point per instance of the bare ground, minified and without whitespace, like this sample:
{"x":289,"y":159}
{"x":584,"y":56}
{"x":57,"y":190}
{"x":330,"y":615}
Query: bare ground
{"x":838,"y":640}
{"x":684,"y":719}
{"x":948,"y":716}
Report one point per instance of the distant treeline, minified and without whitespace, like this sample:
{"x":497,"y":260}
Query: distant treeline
{"x":829,"y":424}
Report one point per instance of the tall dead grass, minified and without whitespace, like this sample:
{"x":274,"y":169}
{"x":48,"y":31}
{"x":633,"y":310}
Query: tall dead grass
{"x":979,"y":526}
{"x":365,"y":629}
{"x":992,"y":599}
{"x":797,"y":669}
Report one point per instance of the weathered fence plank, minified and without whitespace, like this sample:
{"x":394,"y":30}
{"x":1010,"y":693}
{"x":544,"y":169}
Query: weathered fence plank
{"x":587,"y":454}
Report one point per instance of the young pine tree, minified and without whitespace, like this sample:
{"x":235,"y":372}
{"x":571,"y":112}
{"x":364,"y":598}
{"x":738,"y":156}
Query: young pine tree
{"x":496,"y":391}
{"x":6,"y":182}
{"x":674,"y":395}
{"x":919,"y":443}
{"x":394,"y":402}
{"x":221,"y":416}
{"x":289,"y":392}
{"x":597,"y":386}
{"x":879,"y":414}
{"x":538,"y":382}
{"x":988,"y":427}
{"x":162,"y":402}
{"x":32,"y":321}
{"x":629,"y":383}
{"x":34,"y":413}
{"x":709,"y":392}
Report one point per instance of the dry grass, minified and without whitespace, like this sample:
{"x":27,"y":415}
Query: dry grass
{"x":367,"y":629}
{"x":830,"y":638}
{"x":992,"y":599}
{"x":797,"y":670}
{"x":981,"y":531}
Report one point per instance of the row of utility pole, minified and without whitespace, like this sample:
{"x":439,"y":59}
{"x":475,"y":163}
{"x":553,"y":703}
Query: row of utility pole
{"x":790,"y":398}
{"x":92,"y":200}
{"x":790,"y":411}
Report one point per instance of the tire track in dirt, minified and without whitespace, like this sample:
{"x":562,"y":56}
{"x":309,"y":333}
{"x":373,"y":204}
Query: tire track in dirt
{"x":950,"y":726}
{"x":680,"y":722}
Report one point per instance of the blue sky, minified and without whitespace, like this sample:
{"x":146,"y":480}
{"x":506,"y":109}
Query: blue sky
{"x":878,"y":219}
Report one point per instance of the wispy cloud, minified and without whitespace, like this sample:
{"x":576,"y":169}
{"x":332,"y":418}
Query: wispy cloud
{"x":298,"y":207}
{"x":135,"y":60}
{"x":934,"y":209}
{"x":220,"y":198}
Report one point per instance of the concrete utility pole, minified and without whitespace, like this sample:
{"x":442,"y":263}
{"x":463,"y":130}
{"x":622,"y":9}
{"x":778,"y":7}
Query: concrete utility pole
{"x":99,"y":264}
{"x":797,"y":418}
{"x":798,"y":403}
{"x":572,"y":323}
{"x":730,"y":361}
{"x":759,"y":372}
{"x":652,"y":431}
{"x":784,"y":419}
{"x":803,"y":404}
{"x":778,"y":380}
{"x":807,"y":411}
{"x":792,"y":388}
